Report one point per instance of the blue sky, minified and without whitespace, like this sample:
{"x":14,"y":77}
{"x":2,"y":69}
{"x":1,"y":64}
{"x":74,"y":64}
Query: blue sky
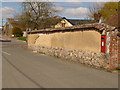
{"x":11,"y":8}
{"x":74,"y":10}
{"x":67,"y":9}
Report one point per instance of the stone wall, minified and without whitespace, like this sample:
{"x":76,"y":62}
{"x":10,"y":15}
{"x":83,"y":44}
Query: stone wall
{"x":114,"y":50}
{"x":118,"y":38}
{"x":84,"y":57}
{"x":79,"y":43}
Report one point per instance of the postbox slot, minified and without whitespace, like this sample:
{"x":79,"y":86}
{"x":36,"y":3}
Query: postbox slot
{"x":103,"y":43}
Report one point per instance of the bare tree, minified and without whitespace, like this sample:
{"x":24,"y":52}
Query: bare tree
{"x":34,"y":13}
{"x":94,"y":11}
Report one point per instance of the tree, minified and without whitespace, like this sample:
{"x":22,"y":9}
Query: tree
{"x":35,"y":13}
{"x":17,"y":31}
{"x":109,"y":9}
{"x":94,"y":11}
{"x":103,"y":10}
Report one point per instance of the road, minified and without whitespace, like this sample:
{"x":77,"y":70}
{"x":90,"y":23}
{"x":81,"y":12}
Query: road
{"x":23,"y":68}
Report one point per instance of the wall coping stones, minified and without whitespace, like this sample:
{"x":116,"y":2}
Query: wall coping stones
{"x":96,"y":26}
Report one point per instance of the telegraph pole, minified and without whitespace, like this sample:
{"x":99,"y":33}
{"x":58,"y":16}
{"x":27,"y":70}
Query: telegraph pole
{"x":2,"y":27}
{"x":2,"y":24}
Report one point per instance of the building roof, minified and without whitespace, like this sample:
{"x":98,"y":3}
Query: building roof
{"x":10,"y":19}
{"x":54,"y":20}
{"x":13,"y":22}
{"x":79,"y":22}
{"x":95,"y":26}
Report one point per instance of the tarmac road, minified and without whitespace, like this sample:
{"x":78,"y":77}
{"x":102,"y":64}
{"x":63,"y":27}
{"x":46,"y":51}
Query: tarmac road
{"x":23,"y":68}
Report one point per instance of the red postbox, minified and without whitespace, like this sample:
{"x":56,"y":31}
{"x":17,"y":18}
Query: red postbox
{"x":103,"y":43}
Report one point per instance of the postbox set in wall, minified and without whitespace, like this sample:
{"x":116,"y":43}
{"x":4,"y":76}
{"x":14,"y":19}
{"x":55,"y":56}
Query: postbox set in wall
{"x":103,"y":43}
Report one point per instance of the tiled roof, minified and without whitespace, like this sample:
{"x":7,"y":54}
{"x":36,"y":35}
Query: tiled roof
{"x":14,"y":24}
{"x":79,"y":22}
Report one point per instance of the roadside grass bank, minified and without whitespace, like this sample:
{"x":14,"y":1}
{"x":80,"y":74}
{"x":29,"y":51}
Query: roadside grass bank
{"x":21,"y":38}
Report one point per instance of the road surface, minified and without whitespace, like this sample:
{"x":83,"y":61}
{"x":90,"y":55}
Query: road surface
{"x":23,"y":68}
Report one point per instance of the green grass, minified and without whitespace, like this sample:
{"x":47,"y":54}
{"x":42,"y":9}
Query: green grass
{"x":22,"y":38}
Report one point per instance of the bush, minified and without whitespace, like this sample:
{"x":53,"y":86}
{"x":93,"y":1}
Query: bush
{"x":17,"y":31}
{"x":22,"y":38}
{"x":118,"y":68}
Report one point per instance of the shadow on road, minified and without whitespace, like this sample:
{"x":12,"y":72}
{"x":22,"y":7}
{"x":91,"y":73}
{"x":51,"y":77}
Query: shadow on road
{"x":5,"y":40}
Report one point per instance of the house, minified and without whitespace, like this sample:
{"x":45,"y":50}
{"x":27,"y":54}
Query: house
{"x":71,"y":22}
{"x":58,"y":22}
{"x":9,"y":25}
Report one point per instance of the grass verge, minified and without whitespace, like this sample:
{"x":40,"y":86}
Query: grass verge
{"x":21,"y":38}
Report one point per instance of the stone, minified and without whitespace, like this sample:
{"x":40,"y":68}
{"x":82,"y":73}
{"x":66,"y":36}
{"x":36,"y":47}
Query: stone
{"x":85,"y":57}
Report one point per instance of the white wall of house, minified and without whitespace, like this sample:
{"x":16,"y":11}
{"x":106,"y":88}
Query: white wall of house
{"x":24,"y":34}
{"x":63,"y":23}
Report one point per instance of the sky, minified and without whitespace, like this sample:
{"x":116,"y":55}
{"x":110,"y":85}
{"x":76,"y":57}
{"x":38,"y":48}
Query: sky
{"x":72,"y":9}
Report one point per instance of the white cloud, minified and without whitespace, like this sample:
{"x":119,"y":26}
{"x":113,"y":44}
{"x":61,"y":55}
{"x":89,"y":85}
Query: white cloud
{"x":7,"y":12}
{"x":59,"y":8}
{"x":76,"y":12}
{"x":74,"y":3}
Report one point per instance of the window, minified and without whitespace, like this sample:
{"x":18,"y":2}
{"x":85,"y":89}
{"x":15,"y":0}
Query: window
{"x":63,"y":24}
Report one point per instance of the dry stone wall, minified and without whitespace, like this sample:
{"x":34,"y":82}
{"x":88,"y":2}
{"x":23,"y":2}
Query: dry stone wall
{"x":84,"y":57}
